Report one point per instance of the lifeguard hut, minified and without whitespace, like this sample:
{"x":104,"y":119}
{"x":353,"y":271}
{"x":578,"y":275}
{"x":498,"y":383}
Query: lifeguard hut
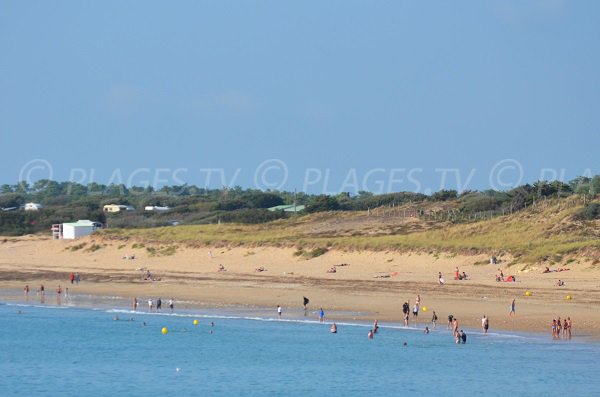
{"x":73,"y":230}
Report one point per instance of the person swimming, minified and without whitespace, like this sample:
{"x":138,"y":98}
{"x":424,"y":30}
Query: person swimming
{"x":333,"y":328}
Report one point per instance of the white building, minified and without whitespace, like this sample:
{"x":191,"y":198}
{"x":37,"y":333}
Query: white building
{"x":117,"y":208}
{"x":73,"y":230}
{"x":32,"y":206}
{"x":156,"y":208}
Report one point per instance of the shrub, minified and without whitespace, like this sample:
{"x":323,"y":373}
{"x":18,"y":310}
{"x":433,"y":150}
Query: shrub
{"x":323,"y":203}
{"x":590,"y":212}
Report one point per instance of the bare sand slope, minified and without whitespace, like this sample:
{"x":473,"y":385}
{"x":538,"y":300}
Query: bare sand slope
{"x":373,"y":283}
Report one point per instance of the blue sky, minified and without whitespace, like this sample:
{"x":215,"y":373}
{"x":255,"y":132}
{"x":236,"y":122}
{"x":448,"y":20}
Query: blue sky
{"x":321,"y":96}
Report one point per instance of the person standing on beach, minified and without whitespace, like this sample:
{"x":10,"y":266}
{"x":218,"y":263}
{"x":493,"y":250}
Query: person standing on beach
{"x":450,"y":320}
{"x":415,"y":311}
{"x":279,"y":311}
{"x":150,"y":304}
{"x":321,"y":315}
{"x":440,"y":278}
{"x":565,"y":328}
{"x":434,"y":319}
{"x":26,"y":290}
{"x":485,"y":324}
{"x":171,"y":304}
{"x":512,"y":308}
{"x":569,"y":327}
{"x":72,"y":277}
{"x":158,"y":304}
{"x":134,"y":303}
{"x":405,"y":311}
{"x":455,"y":329}
{"x":42,"y":291}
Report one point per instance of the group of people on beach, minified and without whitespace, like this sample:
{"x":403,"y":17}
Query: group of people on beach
{"x":565,"y":328}
{"x":458,"y":275}
{"x":74,"y":278}
{"x":41,"y":292}
{"x":500,"y":277}
{"x":305,"y":303}
{"x":415,"y":310}
{"x":152,"y":305}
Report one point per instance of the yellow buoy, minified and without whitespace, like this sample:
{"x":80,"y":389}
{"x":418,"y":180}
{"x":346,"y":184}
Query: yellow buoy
{"x":528,"y":293}
{"x":569,"y":297}
{"x":195,"y":322}
{"x":424,"y":308}
{"x":165,"y":330}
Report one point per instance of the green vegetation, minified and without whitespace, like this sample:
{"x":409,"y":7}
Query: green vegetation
{"x":77,"y":247}
{"x":589,"y":212}
{"x":538,"y":233}
{"x":313,"y":253}
{"x":94,"y":248}
{"x":162,"y":250}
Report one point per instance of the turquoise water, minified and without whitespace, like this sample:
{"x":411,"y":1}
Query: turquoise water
{"x":66,"y":351}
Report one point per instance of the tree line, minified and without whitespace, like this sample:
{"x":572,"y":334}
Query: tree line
{"x":69,"y":201}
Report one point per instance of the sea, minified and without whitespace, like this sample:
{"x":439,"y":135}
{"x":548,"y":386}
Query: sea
{"x":103,"y":348}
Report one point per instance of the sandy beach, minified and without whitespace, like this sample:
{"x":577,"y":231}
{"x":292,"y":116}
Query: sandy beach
{"x":374,"y":284}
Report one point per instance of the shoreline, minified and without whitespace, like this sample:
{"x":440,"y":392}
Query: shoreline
{"x":371,"y":285}
{"x":83,"y":299}
{"x":263,"y":314}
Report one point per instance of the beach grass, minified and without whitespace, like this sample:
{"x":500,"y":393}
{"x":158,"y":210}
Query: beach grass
{"x":531,"y":235}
